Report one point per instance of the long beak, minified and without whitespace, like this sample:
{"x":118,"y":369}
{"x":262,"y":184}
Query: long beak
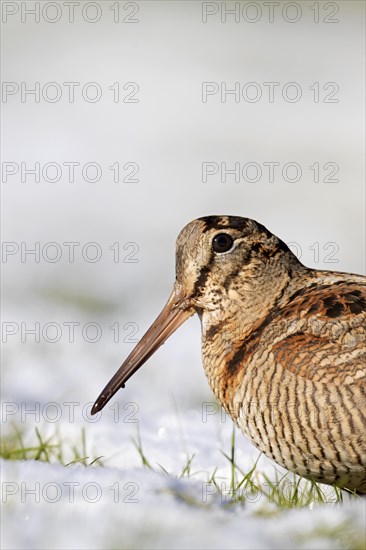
{"x":174,"y":313}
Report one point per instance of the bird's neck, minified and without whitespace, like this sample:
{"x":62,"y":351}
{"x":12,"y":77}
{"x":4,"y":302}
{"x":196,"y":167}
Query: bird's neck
{"x":243,"y":312}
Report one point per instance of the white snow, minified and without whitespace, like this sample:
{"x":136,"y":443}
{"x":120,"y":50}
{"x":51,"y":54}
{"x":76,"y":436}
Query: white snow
{"x":123,"y":504}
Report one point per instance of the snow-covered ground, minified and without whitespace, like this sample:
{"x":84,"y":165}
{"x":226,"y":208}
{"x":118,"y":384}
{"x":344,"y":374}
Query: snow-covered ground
{"x":121,"y":503}
{"x":68,"y":324}
{"x":135,"y":508}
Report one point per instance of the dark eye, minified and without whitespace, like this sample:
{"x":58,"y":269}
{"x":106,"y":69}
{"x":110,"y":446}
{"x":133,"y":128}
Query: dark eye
{"x":222,"y":242}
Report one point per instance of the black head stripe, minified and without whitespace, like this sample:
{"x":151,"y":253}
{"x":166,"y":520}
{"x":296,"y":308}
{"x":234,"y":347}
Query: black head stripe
{"x":202,"y":277}
{"x":225,"y":222}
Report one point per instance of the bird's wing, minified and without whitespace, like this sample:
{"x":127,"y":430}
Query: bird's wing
{"x":325,"y":334}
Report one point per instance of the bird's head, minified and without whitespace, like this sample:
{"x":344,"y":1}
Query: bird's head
{"x":222,"y":263}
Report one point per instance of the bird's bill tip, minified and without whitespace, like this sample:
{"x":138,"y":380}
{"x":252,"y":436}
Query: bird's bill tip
{"x":174,"y":313}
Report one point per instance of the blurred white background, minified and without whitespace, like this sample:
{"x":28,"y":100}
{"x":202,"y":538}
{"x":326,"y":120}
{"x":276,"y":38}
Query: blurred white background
{"x":167,"y":50}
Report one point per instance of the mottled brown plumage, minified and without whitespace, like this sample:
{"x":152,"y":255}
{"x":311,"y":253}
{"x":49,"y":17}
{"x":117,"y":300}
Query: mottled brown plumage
{"x":284,"y":346}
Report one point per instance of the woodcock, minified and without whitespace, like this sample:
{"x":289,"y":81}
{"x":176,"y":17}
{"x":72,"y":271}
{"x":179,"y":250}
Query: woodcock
{"x":283,"y":346}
